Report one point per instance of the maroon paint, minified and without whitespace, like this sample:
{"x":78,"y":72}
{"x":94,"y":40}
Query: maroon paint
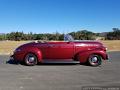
{"x":79,"y":50}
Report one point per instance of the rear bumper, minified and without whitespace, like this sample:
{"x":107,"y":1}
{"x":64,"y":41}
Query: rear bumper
{"x":107,"y":57}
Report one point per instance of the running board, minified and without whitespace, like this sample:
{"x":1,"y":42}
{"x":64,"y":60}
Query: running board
{"x":60,"y":61}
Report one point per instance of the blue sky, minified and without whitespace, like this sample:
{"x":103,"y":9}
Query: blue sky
{"x":49,"y":16}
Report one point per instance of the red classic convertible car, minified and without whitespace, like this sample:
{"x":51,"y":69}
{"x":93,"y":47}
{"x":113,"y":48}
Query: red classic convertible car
{"x":91,"y":52}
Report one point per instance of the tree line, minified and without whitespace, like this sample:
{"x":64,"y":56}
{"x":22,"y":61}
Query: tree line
{"x":114,"y":35}
{"x":78,"y":35}
{"x":18,"y":36}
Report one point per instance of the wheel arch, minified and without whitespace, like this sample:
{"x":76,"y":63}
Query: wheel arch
{"x":84,"y":55}
{"x":36,"y":52}
{"x":98,"y":54}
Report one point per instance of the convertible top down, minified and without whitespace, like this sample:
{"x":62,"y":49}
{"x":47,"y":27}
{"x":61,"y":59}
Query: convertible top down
{"x":91,"y":52}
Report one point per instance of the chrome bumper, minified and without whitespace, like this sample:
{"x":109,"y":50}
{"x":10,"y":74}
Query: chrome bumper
{"x":12,"y":57}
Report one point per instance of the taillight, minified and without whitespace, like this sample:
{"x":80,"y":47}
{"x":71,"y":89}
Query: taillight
{"x":106,"y":48}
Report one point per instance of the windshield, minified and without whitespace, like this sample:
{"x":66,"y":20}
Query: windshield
{"x":68,"y":37}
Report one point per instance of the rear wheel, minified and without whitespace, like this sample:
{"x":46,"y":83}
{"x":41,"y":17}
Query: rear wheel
{"x":95,"y":60}
{"x":30,"y":59}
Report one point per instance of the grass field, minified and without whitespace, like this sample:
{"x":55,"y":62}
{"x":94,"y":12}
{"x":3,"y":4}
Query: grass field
{"x":112,"y":45}
{"x":7,"y":47}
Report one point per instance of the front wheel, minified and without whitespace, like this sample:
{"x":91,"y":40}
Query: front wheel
{"x":30,"y":59}
{"x":95,"y":60}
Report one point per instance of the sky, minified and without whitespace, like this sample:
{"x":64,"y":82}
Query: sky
{"x":63,"y":16}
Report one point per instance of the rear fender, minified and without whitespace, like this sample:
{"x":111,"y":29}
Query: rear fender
{"x":83,"y":56}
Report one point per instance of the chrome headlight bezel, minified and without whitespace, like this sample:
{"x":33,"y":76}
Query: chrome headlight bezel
{"x":17,"y":50}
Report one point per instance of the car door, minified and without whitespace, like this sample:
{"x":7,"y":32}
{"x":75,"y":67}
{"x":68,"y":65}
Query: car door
{"x":61,"y":50}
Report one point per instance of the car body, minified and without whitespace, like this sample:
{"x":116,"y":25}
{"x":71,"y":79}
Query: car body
{"x":91,"y":52}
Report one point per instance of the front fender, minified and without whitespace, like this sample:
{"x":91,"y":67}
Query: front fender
{"x":83,"y":56}
{"x":20,"y":55}
{"x":35,"y":51}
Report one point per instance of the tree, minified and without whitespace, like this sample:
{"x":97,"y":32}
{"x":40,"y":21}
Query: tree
{"x":17,"y":36}
{"x":114,"y":35}
{"x":2,"y":36}
{"x":83,"y":35}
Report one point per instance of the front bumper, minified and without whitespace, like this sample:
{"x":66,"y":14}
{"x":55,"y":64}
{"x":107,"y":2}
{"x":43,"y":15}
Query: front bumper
{"x":12,"y":60}
{"x":12,"y":57}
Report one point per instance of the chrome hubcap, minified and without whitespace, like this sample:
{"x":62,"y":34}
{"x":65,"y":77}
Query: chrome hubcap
{"x":31,"y":59}
{"x":94,"y":59}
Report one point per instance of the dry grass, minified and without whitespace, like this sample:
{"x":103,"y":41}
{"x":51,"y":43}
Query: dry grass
{"x":112,"y":45}
{"x":7,"y":47}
